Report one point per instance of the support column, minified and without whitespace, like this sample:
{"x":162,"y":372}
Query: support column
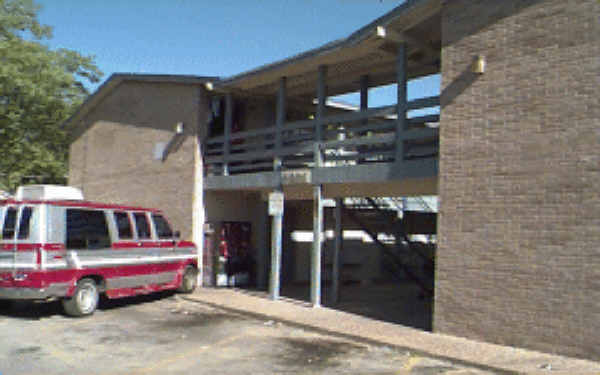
{"x":279,"y":121}
{"x":198,"y":213}
{"x":277,"y":221}
{"x":227,"y":132}
{"x":276,"y":210}
{"x":315,"y":264}
{"x":401,"y":106}
{"x":364,"y":95}
{"x":262,"y":254}
{"x":321,"y":103}
{"x":339,"y":244}
{"x":364,"y":105}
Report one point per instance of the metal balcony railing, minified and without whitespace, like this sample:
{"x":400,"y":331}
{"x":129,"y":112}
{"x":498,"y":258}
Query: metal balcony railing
{"x":353,"y":138}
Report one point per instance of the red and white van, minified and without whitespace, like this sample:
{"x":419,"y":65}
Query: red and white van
{"x":54,"y":244}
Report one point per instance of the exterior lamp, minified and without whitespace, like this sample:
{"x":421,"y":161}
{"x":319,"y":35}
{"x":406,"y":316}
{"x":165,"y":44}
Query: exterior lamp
{"x":179,"y":128}
{"x":478,"y":66}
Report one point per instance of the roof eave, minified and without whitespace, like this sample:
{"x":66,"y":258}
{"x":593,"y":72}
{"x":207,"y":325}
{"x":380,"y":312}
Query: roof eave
{"x":369,"y":31}
{"x":117,"y":78}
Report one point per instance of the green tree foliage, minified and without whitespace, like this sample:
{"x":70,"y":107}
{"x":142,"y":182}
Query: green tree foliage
{"x":39,"y":89}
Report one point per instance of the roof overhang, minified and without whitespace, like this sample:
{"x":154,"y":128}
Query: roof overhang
{"x":371,"y":51}
{"x":118,"y":78}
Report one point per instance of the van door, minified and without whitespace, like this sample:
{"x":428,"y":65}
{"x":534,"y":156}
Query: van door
{"x":88,"y":241}
{"x":7,"y":238}
{"x":147,"y":250}
{"x":15,"y":229}
{"x":168,"y":264}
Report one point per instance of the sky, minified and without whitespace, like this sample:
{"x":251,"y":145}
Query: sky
{"x":208,"y":38}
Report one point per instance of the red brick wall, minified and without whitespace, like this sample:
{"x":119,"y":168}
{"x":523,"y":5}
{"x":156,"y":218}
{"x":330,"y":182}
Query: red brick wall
{"x":519,"y":225}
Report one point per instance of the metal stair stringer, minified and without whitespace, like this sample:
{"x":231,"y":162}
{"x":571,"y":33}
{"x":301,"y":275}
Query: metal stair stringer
{"x":405,"y":243}
{"x":396,"y":261}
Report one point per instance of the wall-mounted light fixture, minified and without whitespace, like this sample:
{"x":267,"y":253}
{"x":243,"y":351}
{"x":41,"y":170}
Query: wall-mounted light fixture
{"x":163,"y":149}
{"x":478,"y":66}
{"x":179,"y":128}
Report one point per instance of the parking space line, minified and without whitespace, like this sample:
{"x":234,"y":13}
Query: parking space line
{"x":168,"y":361}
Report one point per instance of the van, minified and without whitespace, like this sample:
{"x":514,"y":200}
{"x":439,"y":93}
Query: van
{"x":56,"y":245}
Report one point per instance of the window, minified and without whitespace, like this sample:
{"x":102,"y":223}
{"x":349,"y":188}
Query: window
{"x":123,"y":225}
{"x":24,"y":224}
{"x":141,"y":223}
{"x":163,"y":229}
{"x":87,"y":229}
{"x":10,"y":221}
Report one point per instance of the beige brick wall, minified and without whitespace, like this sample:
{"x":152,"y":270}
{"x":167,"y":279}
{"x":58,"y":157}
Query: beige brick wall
{"x":111,"y":156}
{"x":519,"y":225}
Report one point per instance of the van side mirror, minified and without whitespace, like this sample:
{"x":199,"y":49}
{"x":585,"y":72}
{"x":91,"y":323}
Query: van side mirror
{"x":177,"y":234}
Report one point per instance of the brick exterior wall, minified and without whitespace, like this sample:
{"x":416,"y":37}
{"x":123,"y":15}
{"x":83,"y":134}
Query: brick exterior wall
{"x":519,"y":225}
{"x":111,"y":156}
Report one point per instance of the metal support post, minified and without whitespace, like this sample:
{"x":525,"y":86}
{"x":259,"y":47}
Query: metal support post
{"x":401,"y":106}
{"x":364,"y":105}
{"x":364,"y":95}
{"x":315,"y":264}
{"x":227,"y":132}
{"x":279,"y":121}
{"x":262,"y":273}
{"x":339,"y":243}
{"x":270,"y":120}
{"x":321,"y":106}
{"x":275,"y":257}
{"x":276,"y":201}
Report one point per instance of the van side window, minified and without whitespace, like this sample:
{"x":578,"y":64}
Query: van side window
{"x":87,"y":229}
{"x":141,"y":223}
{"x":163,"y":229}
{"x":10,"y":220}
{"x":123,"y":225}
{"x":25,"y":222}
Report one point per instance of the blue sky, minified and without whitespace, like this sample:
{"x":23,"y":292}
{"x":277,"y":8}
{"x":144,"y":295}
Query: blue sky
{"x":212,"y":38}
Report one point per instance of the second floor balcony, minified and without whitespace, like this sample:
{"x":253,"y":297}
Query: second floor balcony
{"x":280,"y":124}
{"x":366,"y":139}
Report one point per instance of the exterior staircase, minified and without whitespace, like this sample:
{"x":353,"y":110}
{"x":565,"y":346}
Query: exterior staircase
{"x":404,"y":230}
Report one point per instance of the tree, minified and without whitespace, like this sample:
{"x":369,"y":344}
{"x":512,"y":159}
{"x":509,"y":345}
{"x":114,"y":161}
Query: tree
{"x":39,"y":89}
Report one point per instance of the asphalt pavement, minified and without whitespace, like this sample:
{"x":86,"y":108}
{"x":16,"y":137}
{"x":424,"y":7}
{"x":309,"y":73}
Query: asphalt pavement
{"x":170,"y":334}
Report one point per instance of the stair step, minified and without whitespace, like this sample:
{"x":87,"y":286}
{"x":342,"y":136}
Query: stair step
{"x":418,"y":222}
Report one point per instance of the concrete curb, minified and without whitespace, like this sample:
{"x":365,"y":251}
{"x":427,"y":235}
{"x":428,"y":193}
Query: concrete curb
{"x":347,"y":336}
{"x":478,"y":355}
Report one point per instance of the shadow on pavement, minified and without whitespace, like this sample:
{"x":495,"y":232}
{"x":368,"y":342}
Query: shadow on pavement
{"x":35,"y":310}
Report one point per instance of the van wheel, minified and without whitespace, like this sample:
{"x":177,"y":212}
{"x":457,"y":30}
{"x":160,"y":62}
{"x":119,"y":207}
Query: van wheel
{"x":85,"y":299}
{"x":189,"y":280}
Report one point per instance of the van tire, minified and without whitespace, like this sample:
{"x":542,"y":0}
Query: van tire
{"x":84,"y":301}
{"x":189,"y":280}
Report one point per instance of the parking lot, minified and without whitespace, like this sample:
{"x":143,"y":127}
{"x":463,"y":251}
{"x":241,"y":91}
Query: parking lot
{"x":165,"y":333}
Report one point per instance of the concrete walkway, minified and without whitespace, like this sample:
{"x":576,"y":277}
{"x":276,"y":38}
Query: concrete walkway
{"x":495,"y":358}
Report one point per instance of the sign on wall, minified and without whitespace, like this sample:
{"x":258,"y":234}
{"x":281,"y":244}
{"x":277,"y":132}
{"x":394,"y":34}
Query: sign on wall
{"x":276,"y":203}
